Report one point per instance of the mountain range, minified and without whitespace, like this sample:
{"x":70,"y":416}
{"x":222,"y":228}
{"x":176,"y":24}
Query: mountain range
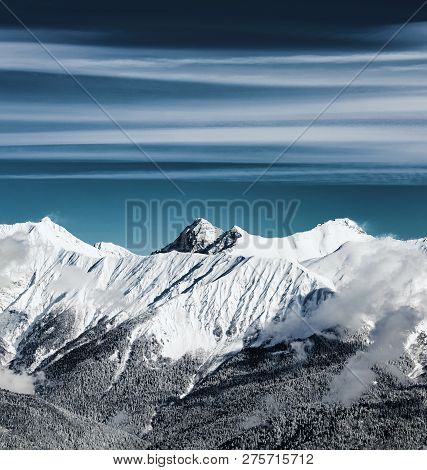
{"x":221,"y":339}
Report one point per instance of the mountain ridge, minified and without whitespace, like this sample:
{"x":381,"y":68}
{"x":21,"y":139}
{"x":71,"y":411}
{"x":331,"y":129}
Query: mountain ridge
{"x":113,"y":336}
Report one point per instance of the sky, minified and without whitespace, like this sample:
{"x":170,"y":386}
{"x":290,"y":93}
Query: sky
{"x":92,"y":94}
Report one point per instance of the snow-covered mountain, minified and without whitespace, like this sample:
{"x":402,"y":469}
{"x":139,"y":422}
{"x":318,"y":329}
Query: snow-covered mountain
{"x":209,"y":292}
{"x":202,"y":237}
{"x":194,"y":239}
{"x":98,"y":321}
{"x":61,"y":288}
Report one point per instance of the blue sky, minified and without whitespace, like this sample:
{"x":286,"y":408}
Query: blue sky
{"x":214,"y":109}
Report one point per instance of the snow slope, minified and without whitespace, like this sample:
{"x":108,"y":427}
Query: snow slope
{"x":320,"y":241}
{"x":190,"y":302}
{"x":209,"y":293}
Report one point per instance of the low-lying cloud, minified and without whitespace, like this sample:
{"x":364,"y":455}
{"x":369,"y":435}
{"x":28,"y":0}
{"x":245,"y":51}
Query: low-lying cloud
{"x":388,"y":338}
{"x":17,"y":382}
{"x":13,"y":252}
{"x":73,"y":278}
{"x":385,"y":293}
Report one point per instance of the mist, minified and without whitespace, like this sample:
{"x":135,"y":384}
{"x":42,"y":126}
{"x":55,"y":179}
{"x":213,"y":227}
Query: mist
{"x":384,"y":294}
{"x":16,"y":382}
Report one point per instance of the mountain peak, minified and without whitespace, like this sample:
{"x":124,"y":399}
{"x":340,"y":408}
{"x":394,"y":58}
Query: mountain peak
{"x":194,"y":238}
{"x":204,"y":238}
{"x":46,"y":232}
{"x":345,"y":222}
{"x":201,"y":221}
{"x":46,"y":220}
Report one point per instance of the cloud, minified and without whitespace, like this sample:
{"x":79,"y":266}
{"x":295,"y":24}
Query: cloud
{"x":266,"y":68}
{"x":267,"y":409}
{"x":279,"y":135}
{"x":385,"y":277}
{"x":301,"y":349}
{"x":385,"y":292}
{"x":13,"y":252}
{"x":72,"y":278}
{"x":13,"y":249}
{"x":214,"y":97}
{"x":17,"y":383}
{"x":388,"y":339}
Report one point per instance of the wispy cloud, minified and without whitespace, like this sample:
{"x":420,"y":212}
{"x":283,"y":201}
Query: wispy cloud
{"x":214,"y":97}
{"x":216,"y":67}
{"x":226,"y":135}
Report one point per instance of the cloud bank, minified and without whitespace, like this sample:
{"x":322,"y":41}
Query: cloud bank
{"x":385,"y":292}
{"x":16,"y":382}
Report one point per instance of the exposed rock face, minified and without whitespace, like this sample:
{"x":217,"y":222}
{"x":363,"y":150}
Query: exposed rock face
{"x":194,"y":238}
